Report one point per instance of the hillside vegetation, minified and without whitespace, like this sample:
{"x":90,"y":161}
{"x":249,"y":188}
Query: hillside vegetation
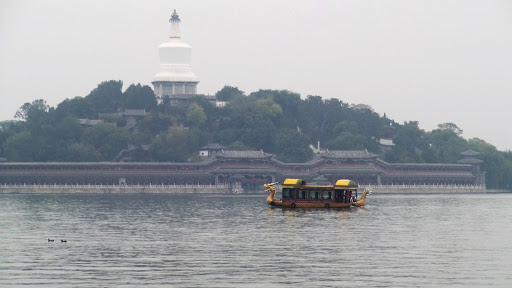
{"x":278,"y":122}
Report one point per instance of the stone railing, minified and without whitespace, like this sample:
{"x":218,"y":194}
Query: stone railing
{"x":424,"y":188}
{"x":101,"y":186}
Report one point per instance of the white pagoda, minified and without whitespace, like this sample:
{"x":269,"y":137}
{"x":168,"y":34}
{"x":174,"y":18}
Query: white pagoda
{"x":175,"y":78}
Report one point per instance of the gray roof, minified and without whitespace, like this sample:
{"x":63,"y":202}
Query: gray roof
{"x":89,"y":122}
{"x":470,"y":153}
{"x":348,"y":154}
{"x":109,"y":115}
{"x":470,"y":160}
{"x":135,"y":112}
{"x":213,"y":146}
{"x":244,"y":154}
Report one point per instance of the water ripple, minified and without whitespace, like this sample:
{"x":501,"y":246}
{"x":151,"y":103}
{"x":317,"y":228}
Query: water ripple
{"x":237,"y":241}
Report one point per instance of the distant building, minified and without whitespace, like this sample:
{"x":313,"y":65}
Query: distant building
{"x":89,"y":122}
{"x":131,"y":116}
{"x":386,"y":145}
{"x":211,"y":149}
{"x":175,"y":79}
{"x":220,"y":104}
{"x":471,"y":157}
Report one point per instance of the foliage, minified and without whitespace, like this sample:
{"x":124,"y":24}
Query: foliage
{"x":107,"y":139}
{"x":176,"y":145}
{"x":139,"y":97}
{"x":32,"y":112}
{"x":444,"y":145}
{"x":450,"y":126}
{"x":276,"y":121}
{"x":78,"y":152}
{"x":293,"y":146}
{"x":106,"y":98}
{"x":228,"y":93}
{"x":195,"y":115}
{"x":21,"y":147}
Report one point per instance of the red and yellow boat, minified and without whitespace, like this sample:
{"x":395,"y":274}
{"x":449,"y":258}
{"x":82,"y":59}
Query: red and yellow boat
{"x":297,"y":194}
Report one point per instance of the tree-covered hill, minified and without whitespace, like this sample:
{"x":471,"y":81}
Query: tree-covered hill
{"x":278,"y":122}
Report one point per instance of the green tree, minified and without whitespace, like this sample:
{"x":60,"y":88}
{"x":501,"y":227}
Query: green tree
{"x":106,"y":98}
{"x":443,"y":146}
{"x":239,"y":146}
{"x":452,"y":127}
{"x":195,"y":115}
{"x":8,"y":129}
{"x":293,"y":146}
{"x":77,"y":152}
{"x":156,"y":123}
{"x":228,"y":93}
{"x":409,"y":142}
{"x":21,"y":147}
{"x":35,"y":115}
{"x":172,"y":145}
{"x":77,"y":107}
{"x":32,"y":112}
{"x":106,"y":139}
{"x":139,"y":97}
{"x":348,"y":141}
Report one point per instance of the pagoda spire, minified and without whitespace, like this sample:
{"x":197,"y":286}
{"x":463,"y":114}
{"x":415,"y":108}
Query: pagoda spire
{"x":175,"y":25}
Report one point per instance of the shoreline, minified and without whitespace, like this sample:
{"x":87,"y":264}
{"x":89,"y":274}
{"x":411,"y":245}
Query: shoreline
{"x":112,"y":189}
{"x":224,"y":189}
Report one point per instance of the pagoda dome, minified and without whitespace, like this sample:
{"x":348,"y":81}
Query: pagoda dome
{"x":175,"y":57}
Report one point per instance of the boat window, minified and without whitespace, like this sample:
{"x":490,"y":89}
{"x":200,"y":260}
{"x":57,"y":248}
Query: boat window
{"x":339,"y":195}
{"x":302,"y":194}
{"x":327,"y":195}
{"x":313,"y":194}
{"x":288,"y":193}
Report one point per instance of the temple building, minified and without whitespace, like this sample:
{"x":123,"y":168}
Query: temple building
{"x":176,"y":78}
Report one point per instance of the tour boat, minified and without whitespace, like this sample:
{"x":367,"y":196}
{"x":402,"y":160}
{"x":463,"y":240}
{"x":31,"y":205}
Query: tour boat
{"x":297,"y":194}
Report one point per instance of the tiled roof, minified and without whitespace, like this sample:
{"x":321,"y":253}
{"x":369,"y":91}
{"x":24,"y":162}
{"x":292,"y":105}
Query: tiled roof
{"x":244,"y":154}
{"x":470,"y":160}
{"x":386,"y":142}
{"x":89,"y":122}
{"x":470,"y":153}
{"x":135,"y":112}
{"x":213,"y":146}
{"x":348,"y":154}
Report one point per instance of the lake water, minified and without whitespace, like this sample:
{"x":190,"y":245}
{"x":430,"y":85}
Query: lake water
{"x":185,"y":240}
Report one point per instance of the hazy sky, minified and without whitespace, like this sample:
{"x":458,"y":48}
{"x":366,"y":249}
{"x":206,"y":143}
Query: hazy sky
{"x":427,"y":61}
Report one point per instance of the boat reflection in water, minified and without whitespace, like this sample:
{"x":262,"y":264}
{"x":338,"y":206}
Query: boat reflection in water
{"x":297,"y":194}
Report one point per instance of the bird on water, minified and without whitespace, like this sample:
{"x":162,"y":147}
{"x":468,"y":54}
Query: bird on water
{"x":63,"y":241}
{"x":50,"y":240}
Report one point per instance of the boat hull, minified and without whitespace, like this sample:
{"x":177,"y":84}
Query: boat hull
{"x":278,"y":203}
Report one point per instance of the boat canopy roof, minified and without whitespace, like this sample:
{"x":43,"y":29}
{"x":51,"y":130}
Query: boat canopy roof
{"x":340,"y":184}
{"x":293,"y":182}
{"x":346,"y":184}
